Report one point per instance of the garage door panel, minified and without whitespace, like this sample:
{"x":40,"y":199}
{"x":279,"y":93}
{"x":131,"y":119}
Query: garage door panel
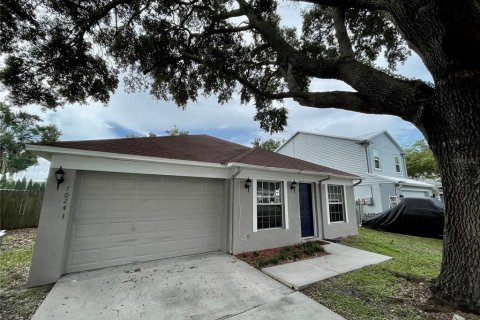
{"x":146,"y":226}
{"x":116,"y":252}
{"x":121,"y":205}
{"x":85,"y":231}
{"x":83,"y":257}
{"x":160,"y":217}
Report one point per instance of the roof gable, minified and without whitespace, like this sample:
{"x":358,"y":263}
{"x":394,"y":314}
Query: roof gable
{"x":363,"y":137}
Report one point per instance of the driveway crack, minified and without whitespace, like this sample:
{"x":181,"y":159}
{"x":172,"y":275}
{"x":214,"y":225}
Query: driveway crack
{"x":228,"y":316}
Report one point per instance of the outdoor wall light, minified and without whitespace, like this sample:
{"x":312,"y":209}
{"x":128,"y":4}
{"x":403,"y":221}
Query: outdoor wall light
{"x":293,"y":186}
{"x":60,"y":176}
{"x":248,"y":182}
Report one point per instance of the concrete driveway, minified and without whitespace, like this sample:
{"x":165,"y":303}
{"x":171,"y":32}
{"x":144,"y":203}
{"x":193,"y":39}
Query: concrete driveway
{"x":209,"y":286}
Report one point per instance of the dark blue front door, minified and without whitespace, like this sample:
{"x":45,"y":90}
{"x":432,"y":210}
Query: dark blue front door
{"x":306,"y":209}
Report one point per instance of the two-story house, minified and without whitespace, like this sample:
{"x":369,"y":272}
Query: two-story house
{"x":376,"y":157}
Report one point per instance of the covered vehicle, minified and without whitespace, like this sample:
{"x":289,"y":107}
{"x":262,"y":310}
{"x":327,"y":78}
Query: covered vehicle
{"x":417,"y":217}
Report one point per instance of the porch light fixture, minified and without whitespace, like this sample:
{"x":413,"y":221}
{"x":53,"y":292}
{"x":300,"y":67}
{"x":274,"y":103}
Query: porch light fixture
{"x":60,"y":176}
{"x":248,"y":182}
{"x":293,"y":186}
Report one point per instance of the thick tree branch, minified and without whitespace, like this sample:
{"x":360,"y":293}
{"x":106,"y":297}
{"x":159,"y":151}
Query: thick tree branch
{"x":359,"y":4}
{"x":344,"y":44}
{"x":396,"y":96}
{"x":224,"y":30}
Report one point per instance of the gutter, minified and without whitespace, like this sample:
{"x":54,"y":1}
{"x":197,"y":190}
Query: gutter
{"x":297,"y":171}
{"x":357,"y":183}
{"x":232,"y":207}
{"x":321,"y":202}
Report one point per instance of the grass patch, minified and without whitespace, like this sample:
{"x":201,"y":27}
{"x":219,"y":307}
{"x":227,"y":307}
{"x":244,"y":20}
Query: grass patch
{"x":271,"y":257}
{"x":16,"y":301}
{"x":395,"y":289}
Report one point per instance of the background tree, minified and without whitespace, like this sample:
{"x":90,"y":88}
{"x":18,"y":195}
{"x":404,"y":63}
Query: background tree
{"x":176,"y":132}
{"x":30,"y":185}
{"x":268,"y":144}
{"x":150,"y":134}
{"x":16,"y":130}
{"x":59,"y":52}
{"x":421,"y":163}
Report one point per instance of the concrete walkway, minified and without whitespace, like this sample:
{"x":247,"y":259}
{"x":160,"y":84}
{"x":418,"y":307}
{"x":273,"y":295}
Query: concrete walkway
{"x":209,"y":286}
{"x":342,"y":259}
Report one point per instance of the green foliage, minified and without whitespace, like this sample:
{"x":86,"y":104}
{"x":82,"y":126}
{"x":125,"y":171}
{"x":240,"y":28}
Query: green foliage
{"x":176,"y":132}
{"x":311,"y":247}
{"x":150,"y":134}
{"x":59,"y":52}
{"x":420,"y":161}
{"x":11,"y":184}
{"x":288,"y":254}
{"x":269,"y":144}
{"x":16,"y":130}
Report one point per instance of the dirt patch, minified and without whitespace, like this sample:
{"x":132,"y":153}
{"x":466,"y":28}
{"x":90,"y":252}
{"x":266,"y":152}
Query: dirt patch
{"x":19,"y":239}
{"x":17,"y":301}
{"x":418,"y":295}
{"x":276,"y":256}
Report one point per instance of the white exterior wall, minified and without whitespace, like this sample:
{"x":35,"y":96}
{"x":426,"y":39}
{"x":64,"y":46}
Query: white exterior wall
{"x":349,"y":156}
{"x":387,"y":150}
{"x":51,"y":244}
{"x":48,"y":262}
{"x":341,"y":154}
{"x":246,"y":238}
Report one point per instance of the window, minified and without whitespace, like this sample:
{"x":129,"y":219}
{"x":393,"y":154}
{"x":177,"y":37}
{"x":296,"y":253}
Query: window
{"x":269,"y":204}
{"x":336,"y":203}
{"x":397,"y":164}
{"x":376,"y":159}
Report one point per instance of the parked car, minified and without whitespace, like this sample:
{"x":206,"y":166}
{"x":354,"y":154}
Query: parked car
{"x":417,"y":217}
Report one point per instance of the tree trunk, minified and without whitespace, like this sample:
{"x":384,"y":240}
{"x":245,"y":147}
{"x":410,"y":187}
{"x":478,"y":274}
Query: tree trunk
{"x":452,"y":127}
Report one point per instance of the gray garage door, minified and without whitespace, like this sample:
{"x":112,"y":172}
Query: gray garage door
{"x":415,"y":194}
{"x":122,"y":218}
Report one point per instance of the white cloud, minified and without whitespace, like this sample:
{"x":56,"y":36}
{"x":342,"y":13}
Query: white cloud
{"x":139,"y":113}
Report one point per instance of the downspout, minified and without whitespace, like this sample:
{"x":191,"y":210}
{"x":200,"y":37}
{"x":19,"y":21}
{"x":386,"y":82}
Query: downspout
{"x":360,"y":208}
{"x":232,"y":207}
{"x":321,"y":203}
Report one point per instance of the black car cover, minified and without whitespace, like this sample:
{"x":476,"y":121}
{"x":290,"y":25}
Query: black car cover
{"x":417,"y":217}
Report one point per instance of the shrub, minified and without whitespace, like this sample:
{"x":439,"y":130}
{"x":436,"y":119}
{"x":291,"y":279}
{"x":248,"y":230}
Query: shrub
{"x":310,"y":248}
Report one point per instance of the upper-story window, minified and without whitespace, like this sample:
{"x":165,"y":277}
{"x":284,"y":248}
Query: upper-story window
{"x":376,"y":159}
{"x":269,"y":204}
{"x":397,"y":164}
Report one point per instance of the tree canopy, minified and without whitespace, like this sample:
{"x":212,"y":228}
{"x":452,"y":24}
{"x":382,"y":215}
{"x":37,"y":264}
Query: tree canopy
{"x":268,"y":144}
{"x":64,"y":51}
{"x":18,"y":128}
{"x":421,"y":163}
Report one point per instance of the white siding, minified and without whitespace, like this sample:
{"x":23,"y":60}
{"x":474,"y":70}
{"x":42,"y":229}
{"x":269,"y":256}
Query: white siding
{"x":388,"y":150}
{"x":341,"y":154}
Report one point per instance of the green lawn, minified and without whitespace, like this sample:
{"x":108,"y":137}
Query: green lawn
{"x":16,"y":301}
{"x":396,"y":289}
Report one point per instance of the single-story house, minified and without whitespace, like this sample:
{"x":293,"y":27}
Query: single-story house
{"x":120,"y":201}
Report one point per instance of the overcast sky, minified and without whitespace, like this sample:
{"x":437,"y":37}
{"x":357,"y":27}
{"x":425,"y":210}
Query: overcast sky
{"x":139,"y":114}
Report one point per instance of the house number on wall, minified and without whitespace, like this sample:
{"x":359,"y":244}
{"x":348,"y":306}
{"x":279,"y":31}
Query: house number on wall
{"x":66,"y":196}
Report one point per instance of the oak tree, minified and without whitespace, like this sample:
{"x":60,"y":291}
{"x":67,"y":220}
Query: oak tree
{"x":65,"y":51}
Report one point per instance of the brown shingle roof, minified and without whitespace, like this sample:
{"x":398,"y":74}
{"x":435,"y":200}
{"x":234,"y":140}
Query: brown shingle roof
{"x":202,"y":148}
